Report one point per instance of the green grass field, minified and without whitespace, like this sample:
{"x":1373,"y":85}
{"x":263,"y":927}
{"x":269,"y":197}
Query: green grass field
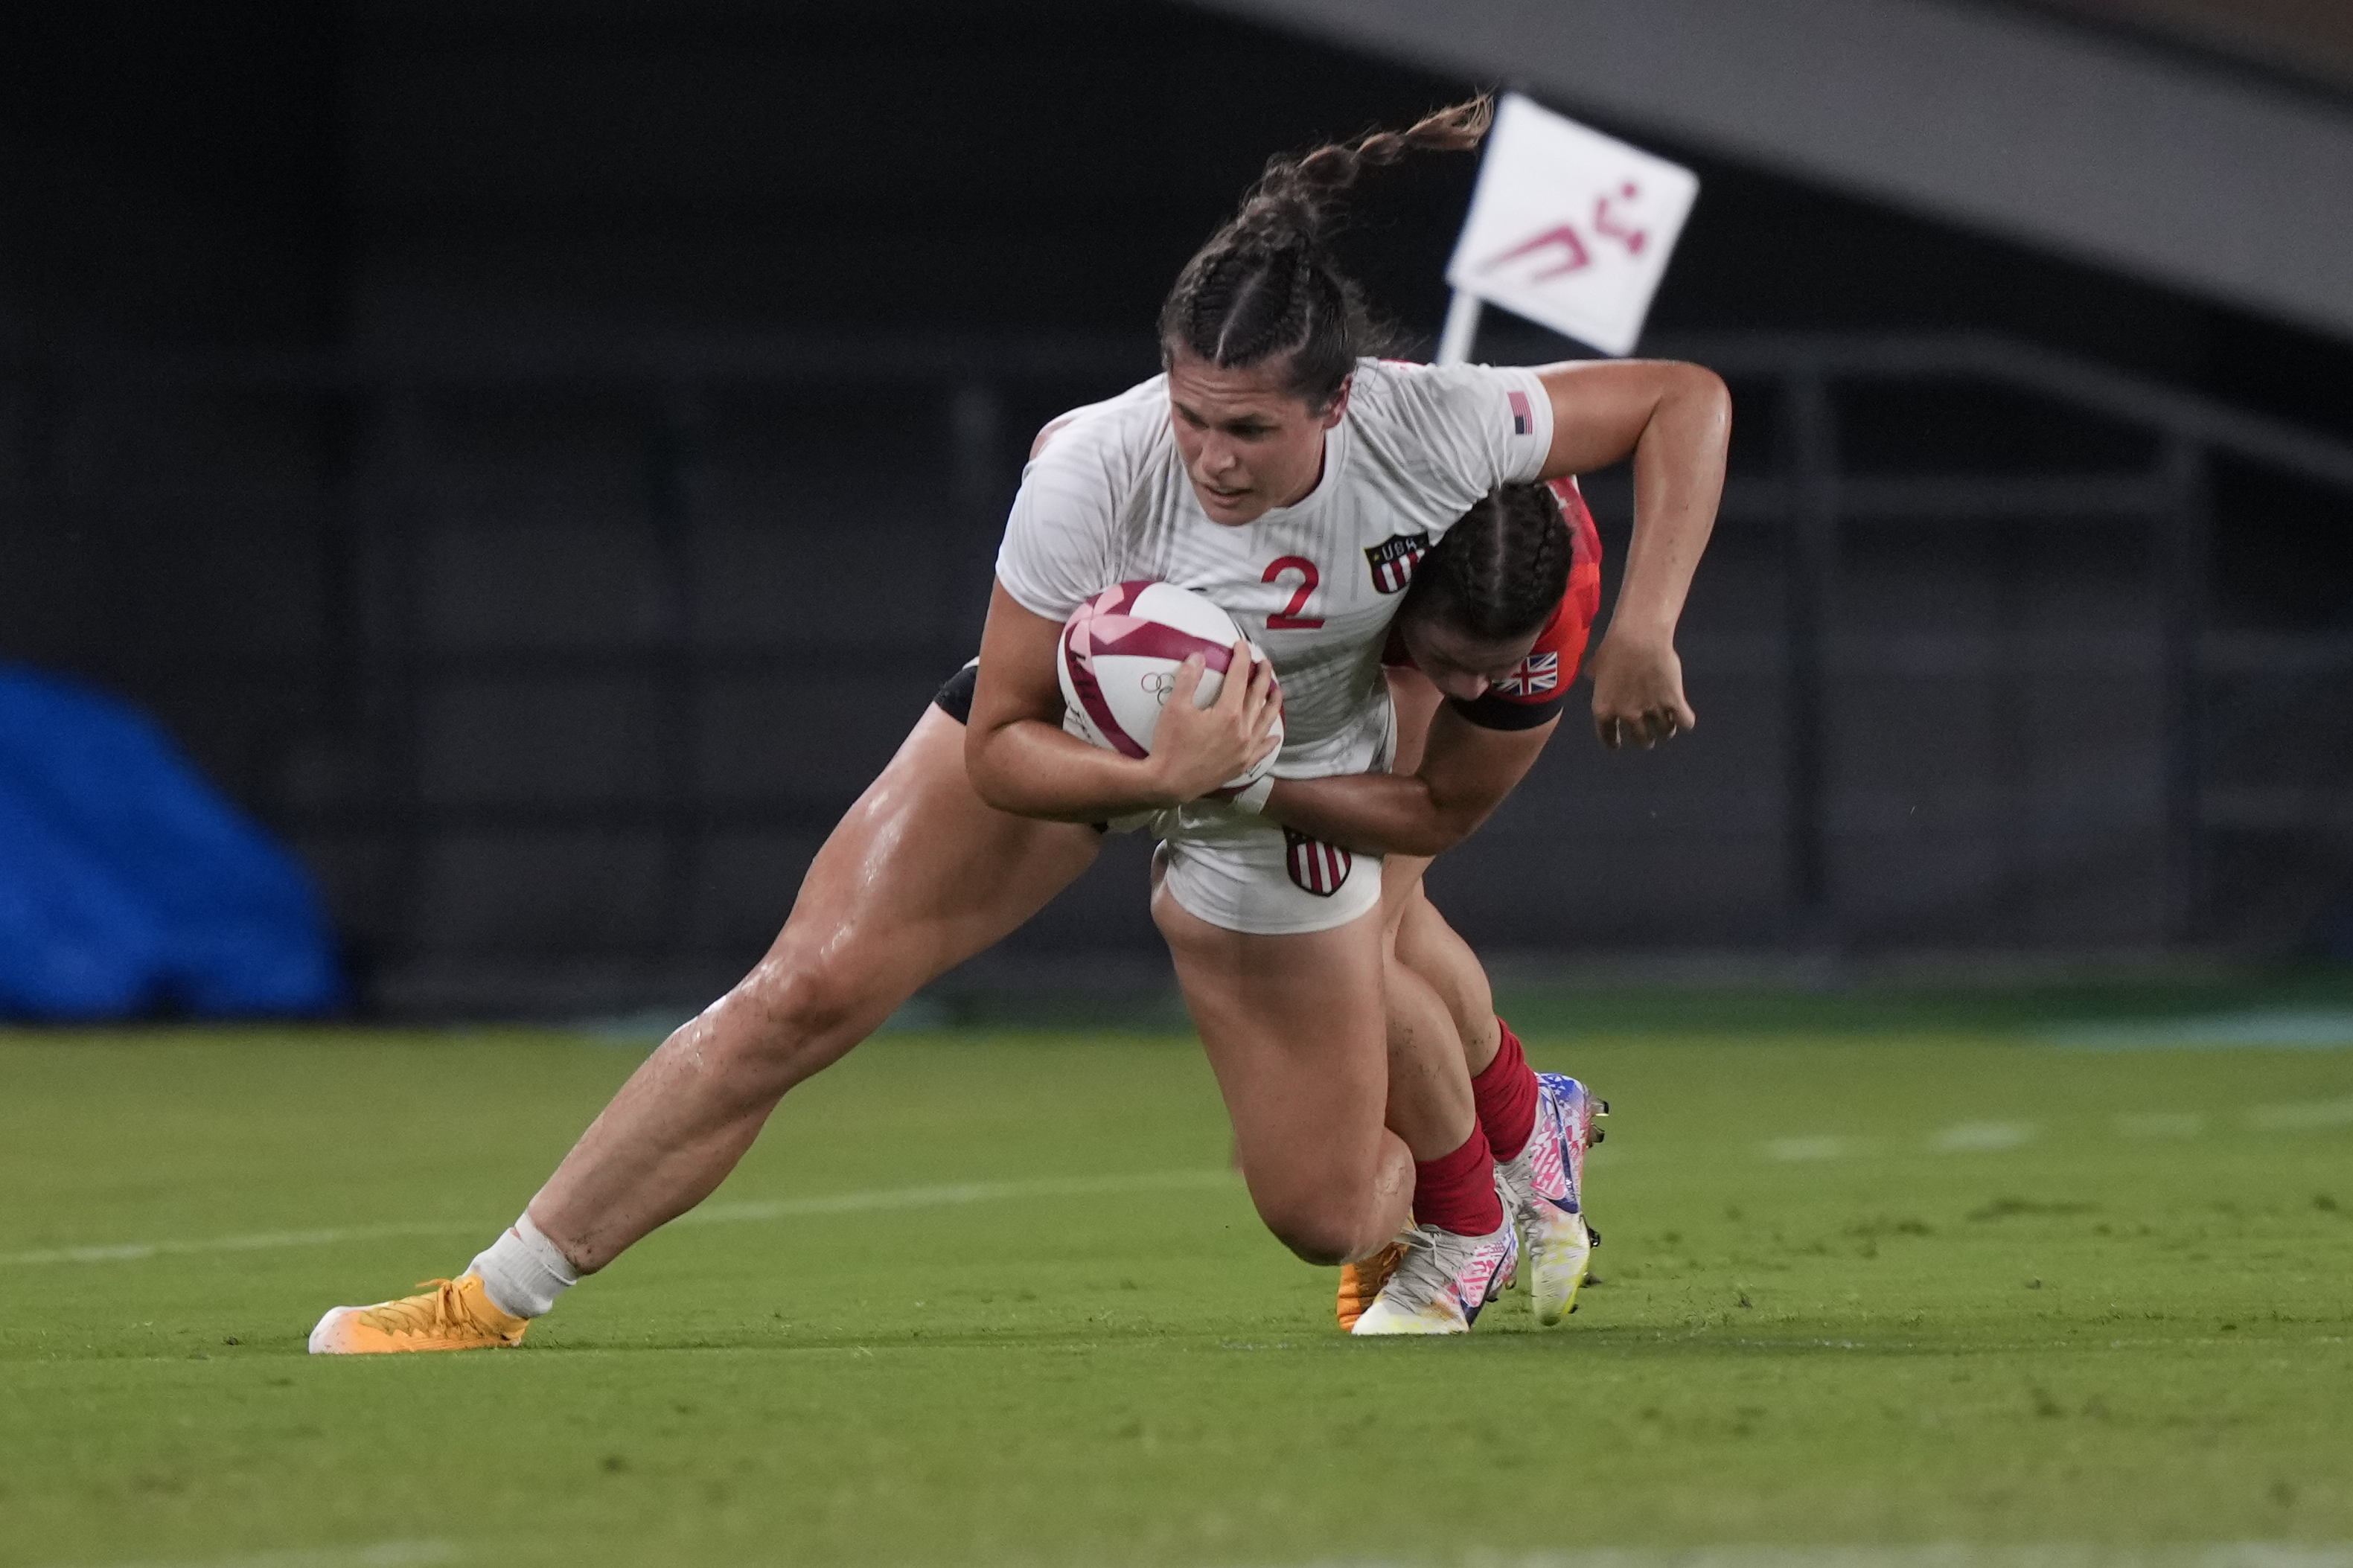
{"x":992,"y":1298}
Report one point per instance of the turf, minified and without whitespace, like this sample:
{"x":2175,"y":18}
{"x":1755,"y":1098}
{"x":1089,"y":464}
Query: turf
{"x":1892,"y":1286}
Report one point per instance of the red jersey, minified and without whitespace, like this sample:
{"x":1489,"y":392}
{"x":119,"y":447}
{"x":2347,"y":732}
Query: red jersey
{"x":1532,"y":694}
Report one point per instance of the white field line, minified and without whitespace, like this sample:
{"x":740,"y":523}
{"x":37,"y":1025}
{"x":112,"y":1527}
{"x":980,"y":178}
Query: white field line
{"x":1985,"y":1137}
{"x":260,"y":1241}
{"x":710,"y":1213}
{"x":383,"y":1554}
{"x":2277,"y":1029}
{"x":2311,"y":1113}
{"x":1991,"y":1137}
{"x":1967,"y":1137}
{"x":958,"y":1192}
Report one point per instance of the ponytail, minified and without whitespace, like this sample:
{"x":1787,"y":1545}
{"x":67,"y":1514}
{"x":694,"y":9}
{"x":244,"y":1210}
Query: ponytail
{"x":1265,"y":285}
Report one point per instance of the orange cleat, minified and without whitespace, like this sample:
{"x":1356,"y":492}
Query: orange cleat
{"x":1362,"y":1280}
{"x":451,"y":1315}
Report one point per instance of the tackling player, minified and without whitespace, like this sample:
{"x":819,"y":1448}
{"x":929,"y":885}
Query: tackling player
{"x":1479,"y":660}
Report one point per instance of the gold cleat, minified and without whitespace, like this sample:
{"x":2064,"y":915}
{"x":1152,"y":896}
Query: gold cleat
{"x":1362,"y":1280}
{"x":451,"y":1315}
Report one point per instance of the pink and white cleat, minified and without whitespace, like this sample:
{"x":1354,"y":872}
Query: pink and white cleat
{"x":1544,"y":1187}
{"x":1442,"y":1281}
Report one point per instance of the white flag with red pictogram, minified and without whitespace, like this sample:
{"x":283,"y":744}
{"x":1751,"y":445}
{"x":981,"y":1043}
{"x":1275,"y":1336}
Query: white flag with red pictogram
{"x":1569,"y":227}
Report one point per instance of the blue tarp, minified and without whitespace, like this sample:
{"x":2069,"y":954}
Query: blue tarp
{"x":127,"y":885}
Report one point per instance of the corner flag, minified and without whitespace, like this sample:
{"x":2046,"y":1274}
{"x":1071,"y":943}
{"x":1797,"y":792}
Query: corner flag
{"x":1568,"y":227}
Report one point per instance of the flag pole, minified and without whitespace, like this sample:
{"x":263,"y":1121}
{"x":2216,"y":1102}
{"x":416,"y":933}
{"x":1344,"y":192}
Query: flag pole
{"x":1462,"y":329}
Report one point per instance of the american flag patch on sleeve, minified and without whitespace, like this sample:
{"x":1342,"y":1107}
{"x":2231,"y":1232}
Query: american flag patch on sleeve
{"x":1522,"y":419}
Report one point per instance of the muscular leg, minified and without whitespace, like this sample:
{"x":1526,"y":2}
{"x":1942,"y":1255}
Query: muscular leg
{"x":1430,"y":1104}
{"x":1429,"y":1100}
{"x":1457,"y":1054}
{"x":1433,"y":1105}
{"x":1294,"y":1027}
{"x":1431,"y":985}
{"x":1423,"y":943}
{"x":920,"y":876}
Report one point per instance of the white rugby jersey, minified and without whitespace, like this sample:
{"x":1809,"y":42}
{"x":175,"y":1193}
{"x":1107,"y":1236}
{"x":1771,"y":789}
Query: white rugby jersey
{"x":1314,"y":584}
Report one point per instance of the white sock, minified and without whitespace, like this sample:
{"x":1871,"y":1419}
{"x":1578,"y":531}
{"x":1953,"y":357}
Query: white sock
{"x":523,"y":1272}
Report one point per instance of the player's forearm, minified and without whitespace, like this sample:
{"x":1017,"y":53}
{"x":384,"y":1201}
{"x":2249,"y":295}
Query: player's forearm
{"x":1467,"y":770}
{"x":1377,"y":814}
{"x":1032,"y":768}
{"x":1678,"y":483}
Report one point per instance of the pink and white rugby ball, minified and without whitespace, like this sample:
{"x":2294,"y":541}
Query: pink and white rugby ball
{"x":1119,"y":655}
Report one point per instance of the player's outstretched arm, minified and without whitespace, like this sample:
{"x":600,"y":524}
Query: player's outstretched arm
{"x":1675,"y":421}
{"x":1021,"y":760}
{"x":1466,"y":770}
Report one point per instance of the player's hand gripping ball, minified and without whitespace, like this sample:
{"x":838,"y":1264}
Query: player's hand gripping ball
{"x":1119,"y":657}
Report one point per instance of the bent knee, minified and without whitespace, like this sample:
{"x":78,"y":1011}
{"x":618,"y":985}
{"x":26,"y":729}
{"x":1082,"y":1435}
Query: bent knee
{"x":802,"y":1014}
{"x":1325,"y":1233}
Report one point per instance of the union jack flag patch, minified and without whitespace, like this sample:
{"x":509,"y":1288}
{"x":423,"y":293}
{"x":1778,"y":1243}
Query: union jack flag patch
{"x":1314,"y":866}
{"x":1537,"y":673}
{"x":1392,"y":560}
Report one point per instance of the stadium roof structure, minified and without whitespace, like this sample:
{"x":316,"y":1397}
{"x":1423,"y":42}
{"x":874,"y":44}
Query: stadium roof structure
{"x":2203,"y":144}
{"x":2308,"y":38}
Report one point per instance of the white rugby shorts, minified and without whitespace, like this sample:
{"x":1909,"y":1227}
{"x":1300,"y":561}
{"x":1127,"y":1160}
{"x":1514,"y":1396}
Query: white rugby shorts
{"x":1242,"y":872}
{"x":1263,"y":879}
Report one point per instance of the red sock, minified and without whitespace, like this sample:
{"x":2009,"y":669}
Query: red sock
{"x":1506,"y":1096}
{"x":1457,"y":1193}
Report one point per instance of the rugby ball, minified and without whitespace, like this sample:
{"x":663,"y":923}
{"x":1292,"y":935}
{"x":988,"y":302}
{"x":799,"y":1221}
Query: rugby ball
{"x":1119,"y":657}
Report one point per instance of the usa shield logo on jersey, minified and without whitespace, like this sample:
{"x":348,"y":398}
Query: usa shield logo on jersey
{"x":1315,"y":866}
{"x":1393,"y":559}
{"x":1538,"y":672}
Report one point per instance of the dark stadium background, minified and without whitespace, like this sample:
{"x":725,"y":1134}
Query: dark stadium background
{"x":539,"y":459}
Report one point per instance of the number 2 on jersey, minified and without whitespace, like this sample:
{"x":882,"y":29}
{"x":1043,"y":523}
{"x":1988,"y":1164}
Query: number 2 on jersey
{"x":1289,"y":619}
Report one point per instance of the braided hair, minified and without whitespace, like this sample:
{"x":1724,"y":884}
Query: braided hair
{"x":1265,"y":286}
{"x":1498,"y":574}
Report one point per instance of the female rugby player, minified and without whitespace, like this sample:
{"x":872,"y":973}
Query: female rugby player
{"x":923,"y":873}
{"x":1501,"y":610}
